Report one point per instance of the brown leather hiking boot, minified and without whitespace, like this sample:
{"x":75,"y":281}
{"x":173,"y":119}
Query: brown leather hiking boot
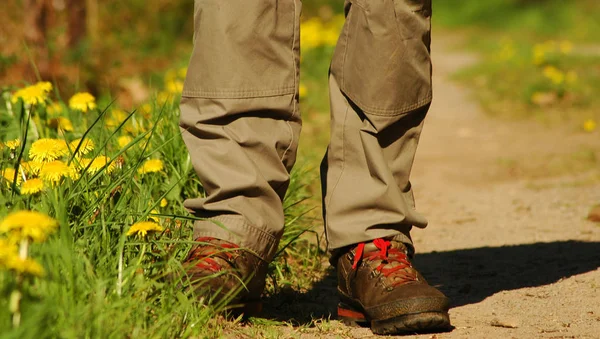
{"x":377,"y":284}
{"x":222,"y":273}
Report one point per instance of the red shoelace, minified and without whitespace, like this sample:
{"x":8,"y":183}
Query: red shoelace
{"x":203,"y":254}
{"x":388,"y":255}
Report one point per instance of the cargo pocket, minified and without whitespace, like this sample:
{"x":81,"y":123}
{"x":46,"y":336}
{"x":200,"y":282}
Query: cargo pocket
{"x":382,"y":60}
{"x":243,"y":49}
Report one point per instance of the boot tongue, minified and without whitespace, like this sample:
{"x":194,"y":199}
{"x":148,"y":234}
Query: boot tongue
{"x":370,"y":247}
{"x":409,"y":272}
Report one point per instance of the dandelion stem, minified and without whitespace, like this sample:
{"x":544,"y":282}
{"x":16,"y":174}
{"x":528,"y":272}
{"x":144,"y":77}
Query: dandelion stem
{"x":8,"y":104}
{"x":16,"y":295}
{"x":33,"y":126}
{"x":15,"y":302}
{"x":142,"y":254}
{"x":24,"y":249}
{"x":120,"y":273}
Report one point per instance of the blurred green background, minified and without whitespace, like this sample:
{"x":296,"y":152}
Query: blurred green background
{"x":539,"y":57}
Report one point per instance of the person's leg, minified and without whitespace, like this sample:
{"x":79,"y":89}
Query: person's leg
{"x":240,"y":119}
{"x":380,"y":88}
{"x":240,"y":122}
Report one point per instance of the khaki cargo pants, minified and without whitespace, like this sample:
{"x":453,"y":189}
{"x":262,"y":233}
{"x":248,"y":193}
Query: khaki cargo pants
{"x":241,"y":121}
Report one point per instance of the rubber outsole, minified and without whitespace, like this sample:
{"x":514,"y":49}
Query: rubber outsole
{"x":413,"y":323}
{"x":409,"y":323}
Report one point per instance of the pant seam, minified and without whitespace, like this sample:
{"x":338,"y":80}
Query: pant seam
{"x":239,"y":94}
{"x":389,"y":112}
{"x":294,"y":105}
{"x":328,"y":203}
{"x":245,"y":224}
{"x":268,"y":242}
{"x":346,"y":42}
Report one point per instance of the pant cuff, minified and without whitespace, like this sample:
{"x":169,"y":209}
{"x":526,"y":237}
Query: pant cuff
{"x":403,"y":237}
{"x":237,"y":230}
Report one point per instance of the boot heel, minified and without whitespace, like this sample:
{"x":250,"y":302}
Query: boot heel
{"x":350,"y":316}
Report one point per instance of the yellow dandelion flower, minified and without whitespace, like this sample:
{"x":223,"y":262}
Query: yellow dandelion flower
{"x":310,"y":33}
{"x":175,"y":86}
{"x":32,"y":167}
{"x":54,"y":171}
{"x":74,"y":168}
{"x":164,"y":97}
{"x":116,"y":117}
{"x":86,"y":146}
{"x":8,"y":250}
{"x":146,"y":110}
{"x":13,"y":144}
{"x":554,"y":74}
{"x":8,"y":174}
{"x":151,"y":166}
{"x":153,"y":217}
{"x":182,"y":72}
{"x":83,"y":102}
{"x":45,"y":149}
{"x":55,"y":109}
{"x":134,"y":128}
{"x":170,"y":75}
{"x":565,"y":47}
{"x":31,"y":225}
{"x":44,"y":86}
{"x":124,"y":141}
{"x":302,"y":90}
{"x":163,"y":202}
{"x":97,"y":164}
{"x":589,"y":125}
{"x":141,"y":228}
{"x":24,"y":266}
{"x":32,"y":186}
{"x":61,"y":123}
{"x":83,"y":162}
{"x":34,"y":94}
{"x":330,"y":36}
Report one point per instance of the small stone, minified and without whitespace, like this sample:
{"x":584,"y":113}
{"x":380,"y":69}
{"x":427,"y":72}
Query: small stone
{"x":594,"y":214}
{"x":503,"y":323}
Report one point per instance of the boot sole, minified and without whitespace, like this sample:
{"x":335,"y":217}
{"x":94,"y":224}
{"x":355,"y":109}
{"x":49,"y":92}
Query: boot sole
{"x":433,"y":321}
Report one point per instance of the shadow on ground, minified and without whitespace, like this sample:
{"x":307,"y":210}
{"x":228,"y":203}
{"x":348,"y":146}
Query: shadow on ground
{"x":467,"y":276}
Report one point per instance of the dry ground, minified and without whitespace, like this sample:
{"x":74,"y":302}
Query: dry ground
{"x":508,"y":239}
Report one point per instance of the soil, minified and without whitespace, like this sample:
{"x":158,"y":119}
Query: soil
{"x":508,"y":240}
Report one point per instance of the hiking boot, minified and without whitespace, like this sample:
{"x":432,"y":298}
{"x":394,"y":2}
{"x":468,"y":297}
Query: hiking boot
{"x":225,"y":275}
{"x":377,"y":284}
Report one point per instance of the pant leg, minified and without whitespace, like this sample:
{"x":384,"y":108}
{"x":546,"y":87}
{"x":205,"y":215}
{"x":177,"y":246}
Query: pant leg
{"x":240,"y":119}
{"x":380,"y":91}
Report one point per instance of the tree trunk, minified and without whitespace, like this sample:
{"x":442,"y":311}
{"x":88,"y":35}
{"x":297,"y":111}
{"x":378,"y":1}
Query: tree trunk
{"x":77,"y":27}
{"x":39,"y":15}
